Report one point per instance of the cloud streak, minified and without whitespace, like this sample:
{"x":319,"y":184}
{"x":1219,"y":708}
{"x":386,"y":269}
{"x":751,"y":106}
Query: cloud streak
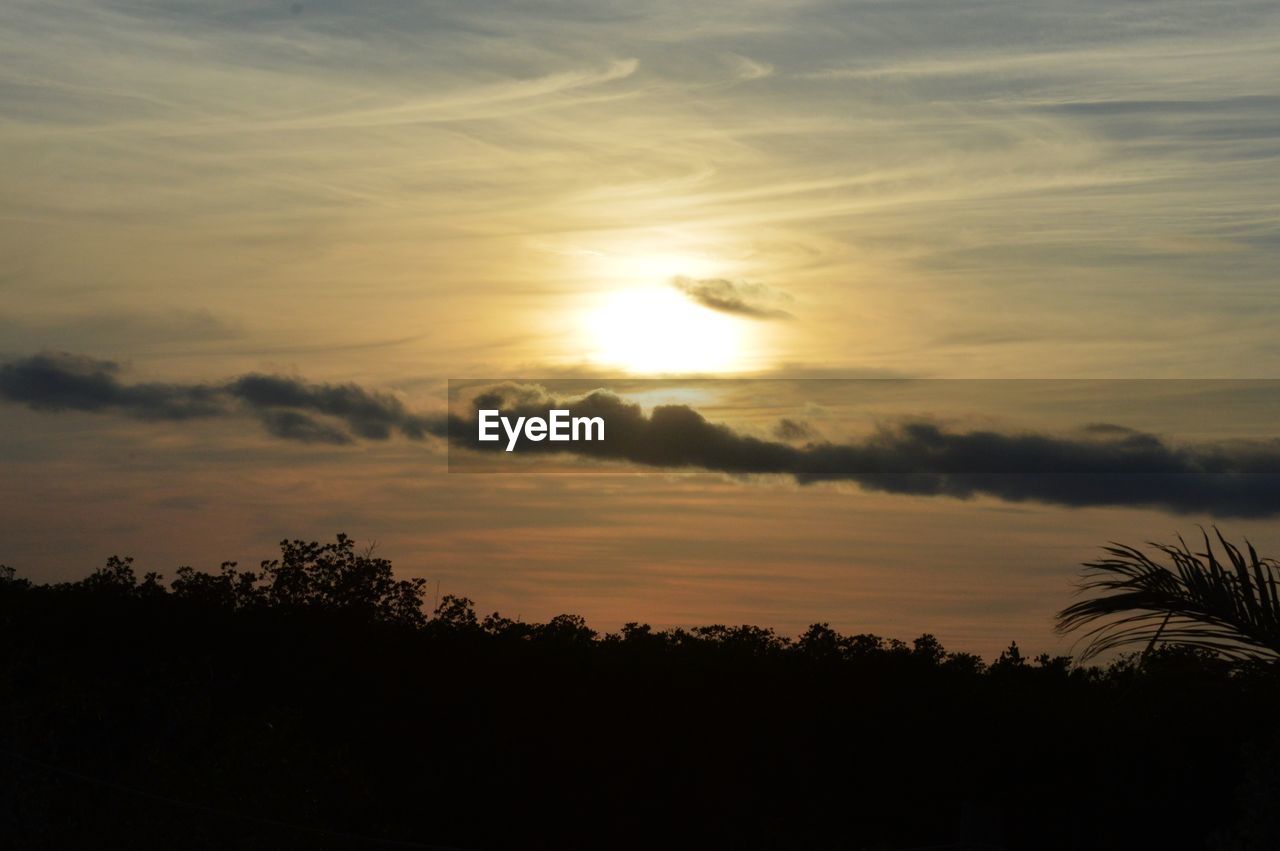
{"x":755,"y":301}
{"x":1111,"y":466}
{"x":288,"y":408}
{"x":1098,"y":465}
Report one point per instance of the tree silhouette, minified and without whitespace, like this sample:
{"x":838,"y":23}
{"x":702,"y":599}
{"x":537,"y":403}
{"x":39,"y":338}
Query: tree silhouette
{"x":333,"y":578}
{"x":311,"y":703}
{"x":227,"y":589}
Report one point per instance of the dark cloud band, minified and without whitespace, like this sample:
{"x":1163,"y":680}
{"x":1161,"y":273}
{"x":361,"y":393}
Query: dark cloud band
{"x":1109,"y":466}
{"x":288,"y":408}
{"x":1103,"y":465}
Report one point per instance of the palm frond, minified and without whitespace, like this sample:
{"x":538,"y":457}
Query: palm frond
{"x":1229,"y":607}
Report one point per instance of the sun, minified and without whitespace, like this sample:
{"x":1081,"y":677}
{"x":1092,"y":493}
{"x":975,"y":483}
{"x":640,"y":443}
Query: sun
{"x":658,"y":331}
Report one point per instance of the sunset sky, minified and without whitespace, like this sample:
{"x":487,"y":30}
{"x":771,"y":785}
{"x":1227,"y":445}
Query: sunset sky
{"x":394,"y":194}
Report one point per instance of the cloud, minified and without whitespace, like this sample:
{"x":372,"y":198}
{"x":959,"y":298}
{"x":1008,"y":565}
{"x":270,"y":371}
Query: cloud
{"x":293,"y":425}
{"x":756,"y":301}
{"x":109,"y":329}
{"x":287,"y":407}
{"x":1102,"y":464}
{"x":1107,"y":429}
{"x":1108,"y":467}
{"x":746,"y":68}
{"x":792,"y":430}
{"x":369,"y":414}
{"x":59,"y":381}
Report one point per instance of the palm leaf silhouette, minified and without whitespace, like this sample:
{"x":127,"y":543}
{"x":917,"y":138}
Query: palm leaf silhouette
{"x":1230,"y":607}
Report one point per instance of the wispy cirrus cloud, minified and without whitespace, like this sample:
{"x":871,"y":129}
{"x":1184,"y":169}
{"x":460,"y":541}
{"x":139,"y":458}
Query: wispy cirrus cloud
{"x":980,"y":172}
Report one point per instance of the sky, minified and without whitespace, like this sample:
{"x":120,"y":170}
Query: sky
{"x":388,"y":195}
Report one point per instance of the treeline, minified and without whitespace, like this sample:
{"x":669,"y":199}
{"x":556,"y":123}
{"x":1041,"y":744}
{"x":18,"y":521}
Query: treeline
{"x":333,"y":581}
{"x":315,"y":703}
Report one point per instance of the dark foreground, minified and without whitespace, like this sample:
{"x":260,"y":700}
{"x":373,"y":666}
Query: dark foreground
{"x":311,"y":705}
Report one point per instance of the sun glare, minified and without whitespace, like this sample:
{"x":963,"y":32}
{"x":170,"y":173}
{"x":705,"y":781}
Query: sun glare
{"x":659,"y":266}
{"x":658,"y":331}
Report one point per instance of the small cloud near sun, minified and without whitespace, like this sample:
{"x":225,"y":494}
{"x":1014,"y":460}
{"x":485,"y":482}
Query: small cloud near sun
{"x":755,"y":301}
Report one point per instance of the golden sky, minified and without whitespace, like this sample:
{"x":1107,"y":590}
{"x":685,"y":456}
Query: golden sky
{"x":397,"y":193}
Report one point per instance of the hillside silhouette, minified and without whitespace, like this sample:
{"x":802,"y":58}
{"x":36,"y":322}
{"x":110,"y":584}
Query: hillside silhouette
{"x":314,"y":703}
